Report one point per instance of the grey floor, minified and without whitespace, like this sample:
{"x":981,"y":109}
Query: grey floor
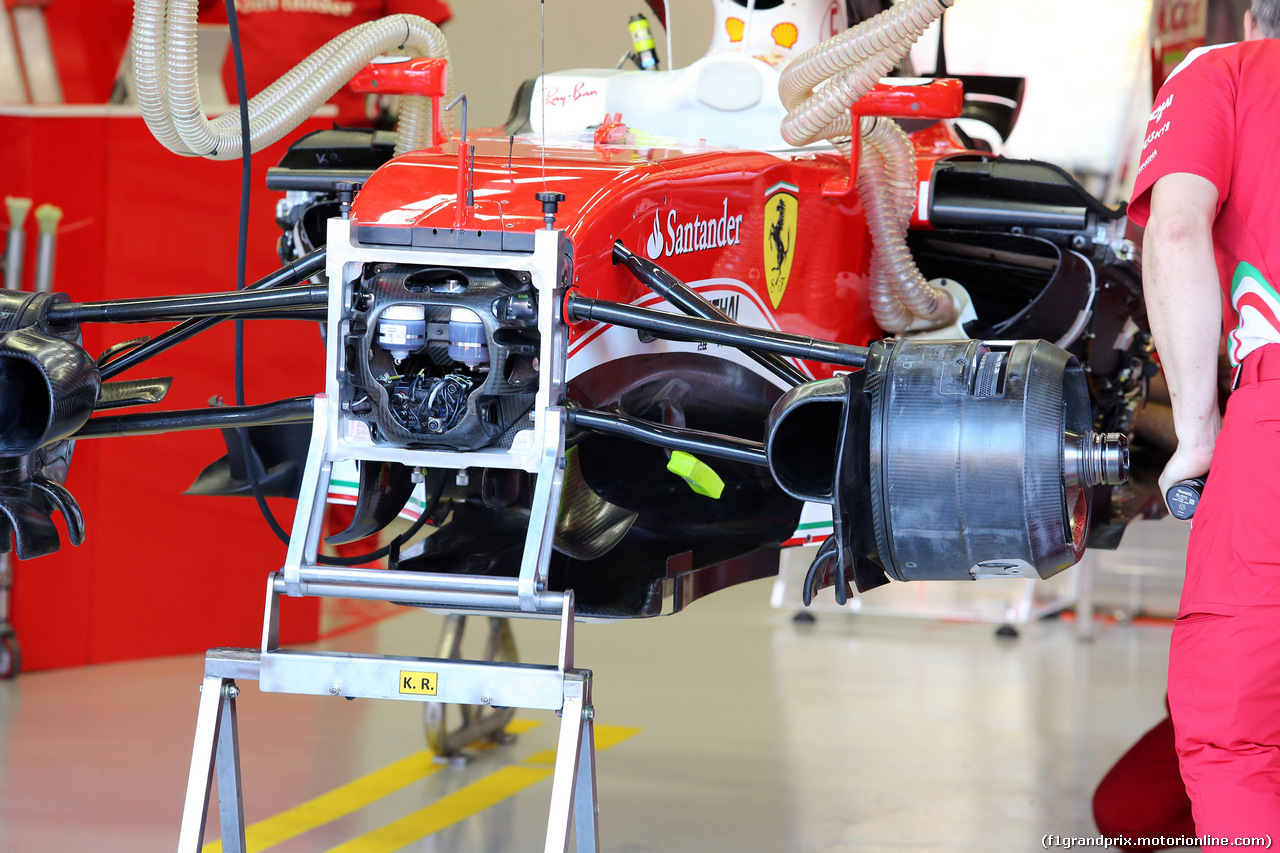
{"x":752,"y":733}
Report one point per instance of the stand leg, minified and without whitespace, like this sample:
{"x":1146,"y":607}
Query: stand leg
{"x":215,"y":744}
{"x":230,"y":796}
{"x":575,"y":753}
{"x":585,"y":806}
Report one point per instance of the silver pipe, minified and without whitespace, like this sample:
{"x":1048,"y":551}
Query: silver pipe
{"x":408,"y":580}
{"x":16,"y":243}
{"x":1095,"y":459}
{"x":47,"y":218}
{"x":549,"y":602}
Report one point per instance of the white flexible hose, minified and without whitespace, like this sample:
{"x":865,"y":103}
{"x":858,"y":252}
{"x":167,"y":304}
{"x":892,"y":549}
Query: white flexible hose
{"x":849,"y":64}
{"x":886,"y":182}
{"x":819,"y":89}
{"x":165,"y":75}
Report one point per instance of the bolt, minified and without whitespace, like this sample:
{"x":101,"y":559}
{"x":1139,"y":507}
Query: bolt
{"x":463,"y":478}
{"x":333,"y":691}
{"x":550,"y":204}
{"x":484,"y":700}
{"x":588,"y":713}
{"x":346,"y":195}
{"x":233,"y":691}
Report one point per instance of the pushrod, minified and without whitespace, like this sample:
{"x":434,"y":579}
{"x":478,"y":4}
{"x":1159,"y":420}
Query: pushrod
{"x":695,"y":304}
{"x":151,"y":308}
{"x":672,"y":438}
{"x":663,"y":325}
{"x":291,"y":411}
{"x":298,"y":271}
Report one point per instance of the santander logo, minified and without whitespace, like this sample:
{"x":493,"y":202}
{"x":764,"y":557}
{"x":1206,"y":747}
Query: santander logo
{"x":684,"y":237}
{"x":654,"y":248}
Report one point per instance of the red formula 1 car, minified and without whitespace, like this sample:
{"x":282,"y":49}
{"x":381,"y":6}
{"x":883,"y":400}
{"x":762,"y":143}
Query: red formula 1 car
{"x":623,"y":335}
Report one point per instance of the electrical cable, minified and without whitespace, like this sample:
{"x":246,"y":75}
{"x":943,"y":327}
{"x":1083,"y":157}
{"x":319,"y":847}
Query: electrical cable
{"x":251,"y":459}
{"x":242,"y":248}
{"x":542,"y":75}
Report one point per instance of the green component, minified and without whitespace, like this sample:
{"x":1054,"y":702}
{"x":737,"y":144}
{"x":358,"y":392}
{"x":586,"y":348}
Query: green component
{"x":641,"y":37}
{"x":696,"y":473}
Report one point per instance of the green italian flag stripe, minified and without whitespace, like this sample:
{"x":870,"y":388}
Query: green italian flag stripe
{"x":1247,"y":270}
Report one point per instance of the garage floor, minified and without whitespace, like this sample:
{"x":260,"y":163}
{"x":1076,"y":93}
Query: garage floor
{"x":726,"y":728}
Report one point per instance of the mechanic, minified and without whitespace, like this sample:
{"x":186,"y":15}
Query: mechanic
{"x":1207,"y":192}
{"x":276,"y":35}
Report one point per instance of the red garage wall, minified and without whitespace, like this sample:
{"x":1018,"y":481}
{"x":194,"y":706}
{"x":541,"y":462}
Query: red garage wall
{"x":160,"y":573}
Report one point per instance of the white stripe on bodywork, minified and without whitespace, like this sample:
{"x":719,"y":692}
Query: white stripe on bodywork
{"x":605,"y":343}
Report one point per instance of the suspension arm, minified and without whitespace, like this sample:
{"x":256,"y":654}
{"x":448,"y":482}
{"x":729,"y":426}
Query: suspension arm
{"x":675,"y":328}
{"x":695,"y":304}
{"x":151,"y":308}
{"x":291,"y":411}
{"x":298,"y":271}
{"x":671,"y":438}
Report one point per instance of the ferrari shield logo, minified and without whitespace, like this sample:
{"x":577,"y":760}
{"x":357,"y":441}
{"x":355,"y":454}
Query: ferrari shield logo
{"x":780,"y":207}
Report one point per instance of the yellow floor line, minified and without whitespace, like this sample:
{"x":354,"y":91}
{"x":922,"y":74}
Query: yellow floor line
{"x":472,"y":799}
{"x":461,"y":804}
{"x":608,"y":736}
{"x":345,"y":799}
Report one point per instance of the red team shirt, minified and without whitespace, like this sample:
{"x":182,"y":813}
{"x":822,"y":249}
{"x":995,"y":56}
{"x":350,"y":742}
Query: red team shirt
{"x":1197,"y":126}
{"x":276,"y":35}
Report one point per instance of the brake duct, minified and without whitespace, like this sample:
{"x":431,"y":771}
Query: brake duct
{"x":953,"y":460}
{"x":48,"y":388}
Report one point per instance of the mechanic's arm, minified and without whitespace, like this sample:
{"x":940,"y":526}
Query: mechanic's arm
{"x":1184,"y":305}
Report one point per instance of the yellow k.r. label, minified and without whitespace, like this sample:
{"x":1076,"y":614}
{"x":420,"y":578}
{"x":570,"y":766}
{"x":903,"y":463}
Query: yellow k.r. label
{"x":419,"y":683}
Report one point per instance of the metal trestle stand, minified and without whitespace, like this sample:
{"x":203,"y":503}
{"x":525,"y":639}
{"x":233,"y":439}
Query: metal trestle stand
{"x":336,"y":435}
{"x":559,"y":687}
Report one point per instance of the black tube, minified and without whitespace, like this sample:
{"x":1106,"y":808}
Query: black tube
{"x":283,"y":179}
{"x":672,"y":438}
{"x":151,"y":308}
{"x":300,"y":270}
{"x":960,"y":211}
{"x":291,"y":411}
{"x":674,"y":328}
{"x":695,"y":304}
{"x":311,"y":315}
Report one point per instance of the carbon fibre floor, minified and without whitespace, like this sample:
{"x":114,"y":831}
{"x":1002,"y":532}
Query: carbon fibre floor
{"x":725,"y":728}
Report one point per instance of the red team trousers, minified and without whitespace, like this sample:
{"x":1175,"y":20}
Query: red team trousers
{"x":1224,"y":683}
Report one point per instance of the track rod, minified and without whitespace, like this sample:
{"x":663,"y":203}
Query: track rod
{"x":695,"y":304}
{"x":292,"y":411}
{"x":672,"y":438}
{"x":674,"y":328}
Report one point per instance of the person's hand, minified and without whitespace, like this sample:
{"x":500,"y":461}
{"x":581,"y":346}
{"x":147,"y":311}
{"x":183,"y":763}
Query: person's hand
{"x":1188,"y":461}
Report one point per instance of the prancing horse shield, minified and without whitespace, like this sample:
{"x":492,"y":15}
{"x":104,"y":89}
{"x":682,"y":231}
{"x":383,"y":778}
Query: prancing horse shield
{"x":780,"y":207}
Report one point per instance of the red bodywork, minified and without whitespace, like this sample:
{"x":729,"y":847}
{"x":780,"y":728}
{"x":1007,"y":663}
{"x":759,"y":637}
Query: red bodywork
{"x":614,"y":193}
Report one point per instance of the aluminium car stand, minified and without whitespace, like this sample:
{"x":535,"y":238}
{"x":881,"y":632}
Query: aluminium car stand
{"x":559,"y":687}
{"x":538,"y":450}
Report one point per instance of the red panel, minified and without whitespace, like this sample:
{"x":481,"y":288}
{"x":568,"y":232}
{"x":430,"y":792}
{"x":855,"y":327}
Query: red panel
{"x":160,"y":573}
{"x":934,"y":99}
{"x":89,"y":37}
{"x":428,"y":77}
{"x":52,"y":597}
